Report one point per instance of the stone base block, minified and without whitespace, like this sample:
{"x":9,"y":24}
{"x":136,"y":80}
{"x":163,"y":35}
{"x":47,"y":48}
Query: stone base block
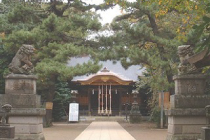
{"x":175,"y":129}
{"x":28,"y":123}
{"x":23,"y":101}
{"x":205,"y":133}
{"x":7,"y":132}
{"x":27,"y":112}
{"x":183,"y":137}
{"x":180,"y":101}
{"x":20,"y":84}
{"x":185,"y":124}
{"x":192,"y":84}
{"x":184,"y":129}
{"x":186,"y":112}
{"x":25,"y":119}
{"x":187,"y":120}
{"x":28,"y":128}
{"x":30,"y":136}
{"x":135,"y":118}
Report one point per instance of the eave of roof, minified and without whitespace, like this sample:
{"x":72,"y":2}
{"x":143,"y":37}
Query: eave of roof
{"x":105,"y":76}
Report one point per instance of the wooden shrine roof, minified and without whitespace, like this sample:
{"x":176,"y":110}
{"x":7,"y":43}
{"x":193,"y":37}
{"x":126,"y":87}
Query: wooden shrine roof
{"x":105,"y":76}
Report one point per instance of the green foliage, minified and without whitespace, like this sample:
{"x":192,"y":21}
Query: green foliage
{"x":202,"y":30}
{"x":202,"y":33}
{"x":20,"y":17}
{"x":61,"y":100}
{"x":56,"y":39}
{"x":54,"y":49}
{"x":155,"y":116}
{"x":50,"y":24}
{"x":141,"y":39}
{"x":148,"y":34}
{"x":22,"y":14}
{"x":155,"y":112}
{"x":4,"y":62}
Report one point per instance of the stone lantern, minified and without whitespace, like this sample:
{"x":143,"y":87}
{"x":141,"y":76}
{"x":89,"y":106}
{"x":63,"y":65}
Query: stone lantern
{"x":135,"y":115}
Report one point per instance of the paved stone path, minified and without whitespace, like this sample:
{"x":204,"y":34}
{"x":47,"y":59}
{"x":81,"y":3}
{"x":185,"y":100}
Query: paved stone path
{"x":104,"y":131}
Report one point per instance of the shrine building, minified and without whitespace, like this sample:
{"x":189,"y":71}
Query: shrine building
{"x":104,"y":93}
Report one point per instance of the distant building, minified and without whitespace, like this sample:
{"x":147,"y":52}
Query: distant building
{"x":108,"y":91}
{"x":103,"y":93}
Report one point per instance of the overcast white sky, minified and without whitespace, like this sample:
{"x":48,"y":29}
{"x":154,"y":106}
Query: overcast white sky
{"x":108,"y":15}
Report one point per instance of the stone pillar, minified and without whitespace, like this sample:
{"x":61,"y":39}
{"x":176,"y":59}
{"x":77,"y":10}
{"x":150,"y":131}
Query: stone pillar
{"x":187,"y":113}
{"x":26,"y":114}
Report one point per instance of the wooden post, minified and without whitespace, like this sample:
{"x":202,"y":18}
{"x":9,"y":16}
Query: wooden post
{"x":120,"y":106}
{"x":102,"y":108}
{"x":110,"y":98}
{"x":89,"y":103}
{"x":99,"y":92}
{"x":106,"y":100}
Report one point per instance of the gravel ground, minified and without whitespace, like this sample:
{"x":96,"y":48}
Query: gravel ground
{"x":64,"y":131}
{"x":69,"y":131}
{"x":145,"y":131}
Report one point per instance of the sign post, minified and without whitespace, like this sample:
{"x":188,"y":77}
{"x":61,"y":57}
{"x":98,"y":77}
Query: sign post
{"x":73,"y":112}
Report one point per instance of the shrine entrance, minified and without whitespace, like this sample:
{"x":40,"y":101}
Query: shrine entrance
{"x":104,"y":93}
{"x":105,"y":101}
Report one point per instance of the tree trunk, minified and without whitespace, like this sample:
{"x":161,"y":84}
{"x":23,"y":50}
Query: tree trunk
{"x":49,"y":106}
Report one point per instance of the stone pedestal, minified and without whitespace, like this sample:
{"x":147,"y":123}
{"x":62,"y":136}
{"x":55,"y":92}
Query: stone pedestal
{"x":187,"y":113}
{"x":205,"y":133}
{"x":20,"y":84}
{"x":135,"y":118}
{"x":26,"y":114}
{"x":7,"y":132}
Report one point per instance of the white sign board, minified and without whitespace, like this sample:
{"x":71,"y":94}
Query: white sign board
{"x":73,"y":112}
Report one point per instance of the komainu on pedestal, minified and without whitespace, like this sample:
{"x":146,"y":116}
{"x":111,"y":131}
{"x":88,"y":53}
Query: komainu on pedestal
{"x":7,"y":132}
{"x":186,"y":115}
{"x":20,"y":91}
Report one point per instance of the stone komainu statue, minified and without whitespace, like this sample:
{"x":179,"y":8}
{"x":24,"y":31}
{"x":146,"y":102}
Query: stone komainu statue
{"x":190,"y":62}
{"x":21,"y":63}
{"x":185,"y":52}
{"x":6,"y":109}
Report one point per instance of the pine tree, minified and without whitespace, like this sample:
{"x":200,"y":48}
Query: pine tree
{"x":56,"y":39}
{"x":148,"y":34}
